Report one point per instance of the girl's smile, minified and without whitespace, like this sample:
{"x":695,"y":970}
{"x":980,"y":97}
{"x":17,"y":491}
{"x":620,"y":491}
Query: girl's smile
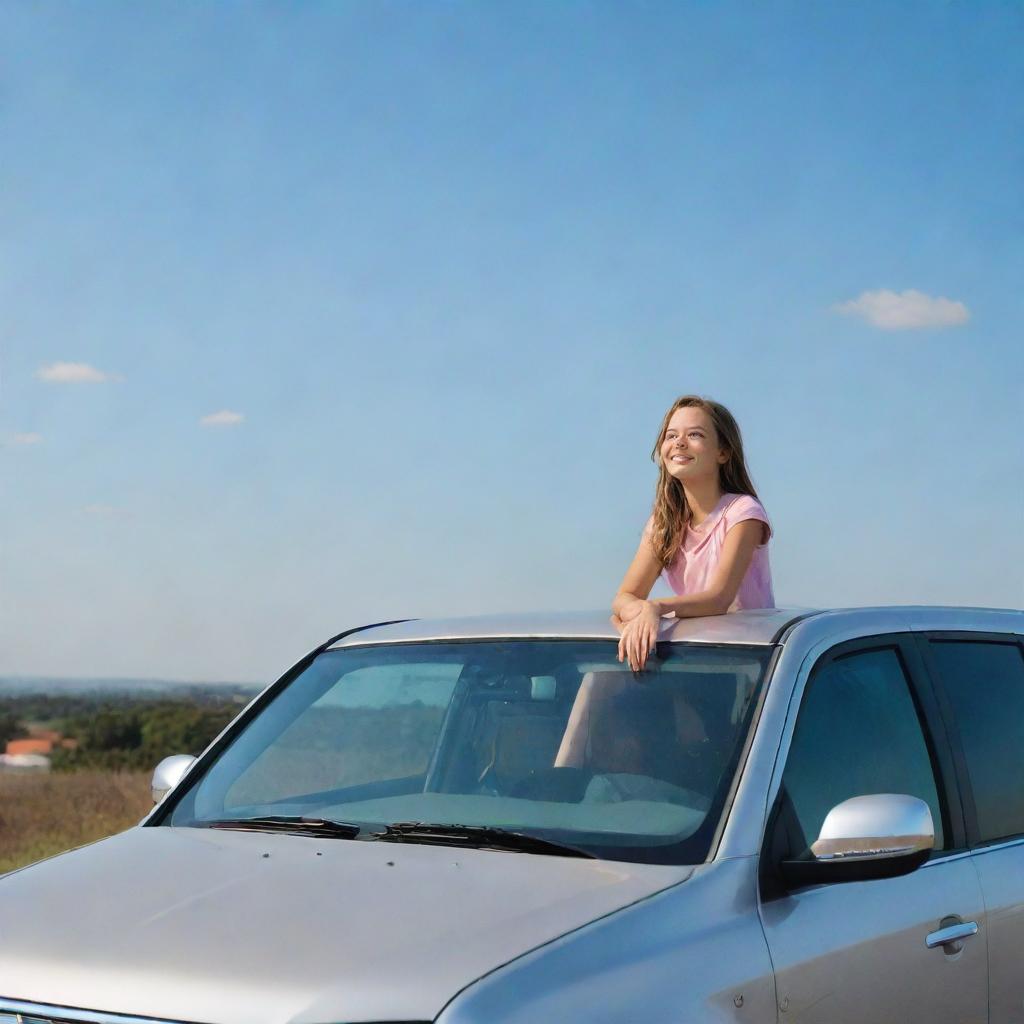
{"x":690,"y":447}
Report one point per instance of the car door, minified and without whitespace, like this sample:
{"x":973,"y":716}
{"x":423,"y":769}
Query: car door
{"x":851,"y":952}
{"x":981,"y":680}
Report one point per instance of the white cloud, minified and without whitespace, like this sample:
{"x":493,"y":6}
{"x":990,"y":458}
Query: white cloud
{"x":224,"y":418}
{"x":904,"y":311}
{"x":26,"y":439}
{"x":74,"y":373}
{"x":99,"y":509}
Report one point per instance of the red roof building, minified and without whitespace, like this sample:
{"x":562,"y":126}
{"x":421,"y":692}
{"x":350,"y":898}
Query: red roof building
{"x":30,"y":746}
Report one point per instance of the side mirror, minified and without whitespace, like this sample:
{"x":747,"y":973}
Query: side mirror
{"x":169,"y":772}
{"x":879,"y":836}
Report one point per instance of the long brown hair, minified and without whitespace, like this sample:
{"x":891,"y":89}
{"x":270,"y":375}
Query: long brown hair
{"x":672,"y":513}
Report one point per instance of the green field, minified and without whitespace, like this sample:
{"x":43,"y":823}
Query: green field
{"x":101,"y":786}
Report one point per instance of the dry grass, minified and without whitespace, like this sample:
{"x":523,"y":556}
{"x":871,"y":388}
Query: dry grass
{"x":43,"y":814}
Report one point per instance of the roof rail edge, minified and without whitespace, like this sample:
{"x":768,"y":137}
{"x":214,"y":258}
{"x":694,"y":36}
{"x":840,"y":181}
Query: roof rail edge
{"x":356,"y":629}
{"x":782,"y":635}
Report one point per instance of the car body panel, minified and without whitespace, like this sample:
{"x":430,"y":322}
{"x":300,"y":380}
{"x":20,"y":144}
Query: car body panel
{"x":241,"y":928}
{"x":854,"y":952}
{"x":1001,"y":870}
{"x":693,"y":954}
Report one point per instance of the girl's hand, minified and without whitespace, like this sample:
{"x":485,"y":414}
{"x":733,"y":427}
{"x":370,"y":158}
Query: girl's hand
{"x":640,"y":636}
{"x":630,"y":611}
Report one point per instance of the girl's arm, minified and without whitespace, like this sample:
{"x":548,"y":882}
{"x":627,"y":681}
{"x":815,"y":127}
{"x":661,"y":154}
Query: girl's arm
{"x":640,"y":634}
{"x":640,"y":577}
{"x":737,"y":553}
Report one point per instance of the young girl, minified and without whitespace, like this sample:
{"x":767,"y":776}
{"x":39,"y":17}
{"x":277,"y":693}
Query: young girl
{"x":708,"y":534}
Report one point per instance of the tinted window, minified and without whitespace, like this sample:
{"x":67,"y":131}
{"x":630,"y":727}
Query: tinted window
{"x":548,"y":737}
{"x":858,"y":733}
{"x":380,"y":723}
{"x":985,"y":683}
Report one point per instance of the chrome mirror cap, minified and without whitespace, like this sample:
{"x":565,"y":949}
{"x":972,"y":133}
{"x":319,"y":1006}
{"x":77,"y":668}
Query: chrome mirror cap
{"x":884,"y":835}
{"x":168,"y":773}
{"x":873,"y":827}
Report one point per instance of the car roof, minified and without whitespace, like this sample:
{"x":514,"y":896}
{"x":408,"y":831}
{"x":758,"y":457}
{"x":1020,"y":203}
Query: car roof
{"x":755,"y":626}
{"x":758,"y":626}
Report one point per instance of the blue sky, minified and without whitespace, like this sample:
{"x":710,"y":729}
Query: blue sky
{"x":450,"y":262}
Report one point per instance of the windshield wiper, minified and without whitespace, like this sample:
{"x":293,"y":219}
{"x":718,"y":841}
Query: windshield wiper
{"x":475,"y":836}
{"x":294,"y":824}
{"x":442,"y":834}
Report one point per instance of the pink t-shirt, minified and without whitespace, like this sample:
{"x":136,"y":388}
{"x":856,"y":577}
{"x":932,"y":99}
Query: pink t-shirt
{"x":694,"y":565}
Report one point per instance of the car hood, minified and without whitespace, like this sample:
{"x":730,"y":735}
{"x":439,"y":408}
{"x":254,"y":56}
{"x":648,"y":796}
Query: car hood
{"x":228,"y":927}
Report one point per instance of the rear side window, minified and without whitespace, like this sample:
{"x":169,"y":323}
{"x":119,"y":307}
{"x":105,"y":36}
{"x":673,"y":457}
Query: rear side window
{"x":985,"y":684}
{"x":858,"y":733}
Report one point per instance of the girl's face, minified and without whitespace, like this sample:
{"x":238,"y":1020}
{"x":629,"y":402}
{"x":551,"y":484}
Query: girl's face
{"x":690,"y":450}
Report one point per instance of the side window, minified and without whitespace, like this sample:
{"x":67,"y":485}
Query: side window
{"x":985,"y":684}
{"x":857,"y":733}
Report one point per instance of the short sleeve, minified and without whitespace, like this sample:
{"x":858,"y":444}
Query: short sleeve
{"x":746,"y":507}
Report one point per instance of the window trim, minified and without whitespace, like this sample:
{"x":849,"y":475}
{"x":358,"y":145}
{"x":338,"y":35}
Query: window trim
{"x":741,"y":765}
{"x":924,"y":641}
{"x":933,"y":728}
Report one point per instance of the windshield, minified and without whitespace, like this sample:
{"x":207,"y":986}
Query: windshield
{"x":549,"y":738}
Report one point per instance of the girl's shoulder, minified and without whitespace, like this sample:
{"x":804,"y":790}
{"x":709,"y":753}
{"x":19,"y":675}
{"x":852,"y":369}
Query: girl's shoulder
{"x":741,"y":504}
{"x":745,"y":506}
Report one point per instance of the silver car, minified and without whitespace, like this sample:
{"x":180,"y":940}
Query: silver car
{"x":790,"y":815}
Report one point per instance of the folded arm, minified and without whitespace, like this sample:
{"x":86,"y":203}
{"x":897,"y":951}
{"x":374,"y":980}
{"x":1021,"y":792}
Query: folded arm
{"x":637,"y":616}
{"x":641,"y":575}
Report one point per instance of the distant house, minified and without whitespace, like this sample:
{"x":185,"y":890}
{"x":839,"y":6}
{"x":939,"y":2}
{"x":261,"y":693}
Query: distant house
{"x":34,"y":751}
{"x":35,"y":762}
{"x":31,"y":745}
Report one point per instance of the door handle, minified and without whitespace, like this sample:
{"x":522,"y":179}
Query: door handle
{"x":950,"y":937}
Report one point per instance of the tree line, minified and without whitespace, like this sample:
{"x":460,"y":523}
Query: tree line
{"x":120,"y":732}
